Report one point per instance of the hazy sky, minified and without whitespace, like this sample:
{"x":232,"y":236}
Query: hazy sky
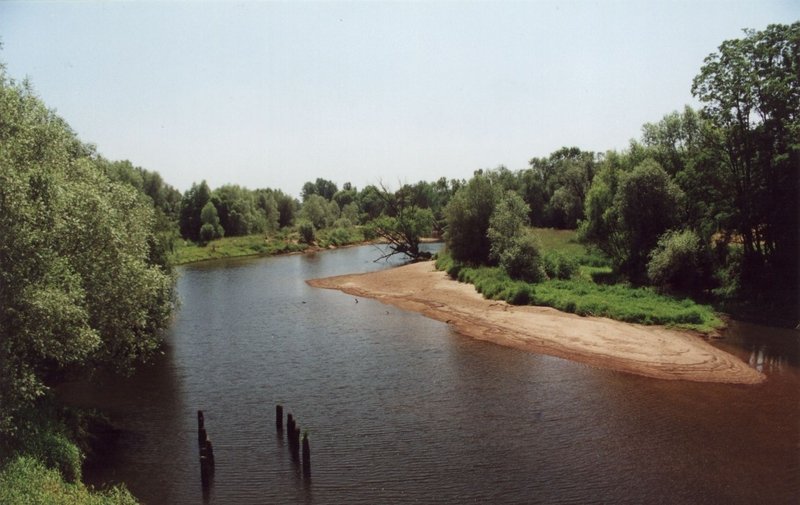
{"x":274,"y":94}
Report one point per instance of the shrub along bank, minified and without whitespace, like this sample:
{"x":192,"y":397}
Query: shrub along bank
{"x":576,"y":281}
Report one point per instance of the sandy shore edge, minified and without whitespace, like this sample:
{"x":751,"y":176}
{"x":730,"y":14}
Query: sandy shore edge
{"x":651,"y":351}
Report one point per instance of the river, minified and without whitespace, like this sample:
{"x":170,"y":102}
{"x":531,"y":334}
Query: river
{"x":401,"y":409}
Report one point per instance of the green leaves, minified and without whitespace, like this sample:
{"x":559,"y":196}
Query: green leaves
{"x":77,"y":283}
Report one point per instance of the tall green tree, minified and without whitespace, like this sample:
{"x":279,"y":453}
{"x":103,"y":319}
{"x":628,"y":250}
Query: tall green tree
{"x":322,"y":187}
{"x":78,"y":288}
{"x":647,"y":204}
{"x":751,"y":94}
{"x":192,"y":204}
{"x":508,"y":221}
{"x":210,"y":228}
{"x":467,"y":215}
{"x":555,"y":187}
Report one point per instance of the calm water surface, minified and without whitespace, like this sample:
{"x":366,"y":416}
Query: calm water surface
{"x":401,"y":409}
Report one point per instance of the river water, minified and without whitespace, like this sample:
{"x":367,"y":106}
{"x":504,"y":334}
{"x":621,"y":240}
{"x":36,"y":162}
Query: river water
{"x":401,"y":409}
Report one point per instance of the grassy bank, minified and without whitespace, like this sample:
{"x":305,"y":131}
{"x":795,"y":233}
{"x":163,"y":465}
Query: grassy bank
{"x":41,"y":459}
{"x":26,"y":480}
{"x":284,"y":242}
{"x":581,"y":293}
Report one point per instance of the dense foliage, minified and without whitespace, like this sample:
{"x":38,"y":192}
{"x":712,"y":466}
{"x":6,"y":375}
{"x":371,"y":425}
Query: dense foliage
{"x":78,"y":283}
{"x":84,"y":283}
{"x":751,"y":95}
{"x":704,"y":204}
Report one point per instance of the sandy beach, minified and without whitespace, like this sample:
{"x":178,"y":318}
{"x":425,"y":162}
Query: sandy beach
{"x":651,"y":351}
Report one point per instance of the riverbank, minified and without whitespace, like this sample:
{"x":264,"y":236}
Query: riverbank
{"x":259,"y":245}
{"x":187,"y":252}
{"x":651,"y":351}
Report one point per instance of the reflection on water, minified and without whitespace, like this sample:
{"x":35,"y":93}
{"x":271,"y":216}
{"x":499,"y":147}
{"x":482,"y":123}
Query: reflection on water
{"x":762,"y":360}
{"x":401,"y":409}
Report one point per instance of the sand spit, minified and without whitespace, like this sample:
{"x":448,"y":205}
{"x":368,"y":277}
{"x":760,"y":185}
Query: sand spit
{"x":651,"y":351}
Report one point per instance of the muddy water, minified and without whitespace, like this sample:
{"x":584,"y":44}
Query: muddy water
{"x":400,"y":409}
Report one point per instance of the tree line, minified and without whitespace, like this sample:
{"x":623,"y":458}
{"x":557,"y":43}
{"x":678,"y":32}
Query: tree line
{"x":704,"y":202}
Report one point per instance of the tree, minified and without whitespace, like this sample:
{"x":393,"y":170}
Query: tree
{"x":322,"y":187}
{"x":602,"y":226}
{"x":509,"y":220}
{"x":555,"y":187}
{"x":78,"y":288}
{"x":319,"y":211}
{"x":676,"y":262}
{"x":403,"y":232}
{"x":751,"y":92}
{"x":238,"y":212}
{"x":647,"y":204}
{"x":210,"y":229}
{"x":287,"y":208}
{"x":192,"y":204}
{"x":371,"y":203}
{"x":268,"y":208}
{"x":404,"y":222}
{"x":522,"y":258}
{"x":679,"y":142}
{"x":467,"y":216}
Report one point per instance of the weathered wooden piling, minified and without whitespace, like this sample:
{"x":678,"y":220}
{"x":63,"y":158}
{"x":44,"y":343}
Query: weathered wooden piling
{"x":206,"y":451}
{"x":289,"y":428}
{"x":279,"y":417}
{"x":306,"y":457}
{"x":206,"y":469}
{"x":209,"y":453}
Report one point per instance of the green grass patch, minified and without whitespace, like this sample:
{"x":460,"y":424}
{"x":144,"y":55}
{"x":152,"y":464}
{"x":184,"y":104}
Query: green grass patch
{"x":593,"y":289}
{"x":284,"y":242}
{"x":564,"y":244}
{"x":231,"y":247}
{"x":26,"y":480}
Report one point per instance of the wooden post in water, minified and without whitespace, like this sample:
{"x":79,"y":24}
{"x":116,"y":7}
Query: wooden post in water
{"x":209,"y":454}
{"x":296,"y":442}
{"x":206,"y":451}
{"x":289,"y":428}
{"x":205,"y":471}
{"x":306,"y":457}
{"x":279,"y":417}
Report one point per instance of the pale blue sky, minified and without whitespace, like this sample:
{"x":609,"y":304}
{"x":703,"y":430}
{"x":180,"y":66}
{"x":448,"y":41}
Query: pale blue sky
{"x":267,"y":94}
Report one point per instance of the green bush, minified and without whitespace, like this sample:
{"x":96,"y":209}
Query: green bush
{"x":55,"y":450}
{"x":522,"y":259}
{"x":307,"y":232}
{"x":27,"y":481}
{"x":520,"y":295}
{"x":675,"y":261}
{"x":559,"y":266}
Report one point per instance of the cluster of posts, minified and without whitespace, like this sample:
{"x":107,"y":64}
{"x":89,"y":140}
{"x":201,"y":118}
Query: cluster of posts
{"x":293,"y":436}
{"x":206,"y":451}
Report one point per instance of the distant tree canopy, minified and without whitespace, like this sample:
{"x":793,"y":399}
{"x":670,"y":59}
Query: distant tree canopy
{"x":79,"y":286}
{"x":555,"y":187}
{"x":240,"y":211}
{"x":322,"y":187}
{"x":468,"y":214}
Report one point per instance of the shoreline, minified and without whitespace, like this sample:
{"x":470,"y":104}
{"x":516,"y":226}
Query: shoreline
{"x":650,"y":351}
{"x":308,"y":250}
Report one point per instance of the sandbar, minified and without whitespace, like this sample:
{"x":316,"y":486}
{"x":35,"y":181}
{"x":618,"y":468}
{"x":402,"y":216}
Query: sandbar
{"x":651,"y":351}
